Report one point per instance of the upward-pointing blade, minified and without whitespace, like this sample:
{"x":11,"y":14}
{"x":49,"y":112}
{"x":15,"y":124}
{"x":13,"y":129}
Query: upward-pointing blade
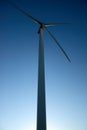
{"x":58,"y":44}
{"x":25,"y":13}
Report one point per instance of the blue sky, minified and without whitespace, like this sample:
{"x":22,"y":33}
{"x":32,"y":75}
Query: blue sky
{"x":66,"y":84}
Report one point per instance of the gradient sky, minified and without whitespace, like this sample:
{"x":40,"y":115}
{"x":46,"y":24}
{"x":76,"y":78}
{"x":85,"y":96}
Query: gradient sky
{"x":66,"y":84}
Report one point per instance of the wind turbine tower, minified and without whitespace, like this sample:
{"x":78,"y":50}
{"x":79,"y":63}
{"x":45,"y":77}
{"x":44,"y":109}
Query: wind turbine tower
{"x":41,"y":101}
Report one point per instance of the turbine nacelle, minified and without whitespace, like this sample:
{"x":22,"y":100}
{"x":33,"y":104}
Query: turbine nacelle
{"x":43,"y":26}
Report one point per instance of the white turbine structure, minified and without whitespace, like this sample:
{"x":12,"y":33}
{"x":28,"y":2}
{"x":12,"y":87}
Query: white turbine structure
{"x":41,"y":103}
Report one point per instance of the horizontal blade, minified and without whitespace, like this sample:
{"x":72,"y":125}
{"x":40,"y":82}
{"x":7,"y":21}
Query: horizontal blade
{"x":58,"y":44}
{"x":54,"y":24}
{"x":25,"y":13}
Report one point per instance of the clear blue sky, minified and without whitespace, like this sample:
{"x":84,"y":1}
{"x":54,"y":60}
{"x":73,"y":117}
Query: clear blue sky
{"x":66,"y":84}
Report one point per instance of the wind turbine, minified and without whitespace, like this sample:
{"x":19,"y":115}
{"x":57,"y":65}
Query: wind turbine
{"x":41,"y":103}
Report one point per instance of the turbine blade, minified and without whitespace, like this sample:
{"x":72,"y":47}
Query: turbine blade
{"x":23,"y":12}
{"x":53,"y":24}
{"x":58,"y":44}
